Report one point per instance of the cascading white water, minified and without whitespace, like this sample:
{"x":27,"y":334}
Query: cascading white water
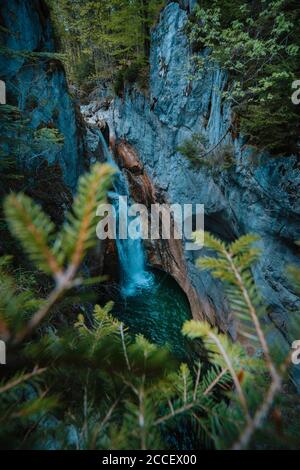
{"x":131,"y":253}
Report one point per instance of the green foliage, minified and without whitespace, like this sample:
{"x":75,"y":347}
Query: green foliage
{"x":258,"y":44}
{"x":16,"y":304}
{"x":233,"y":266}
{"x":218,"y":158}
{"x":256,"y":367}
{"x":78,"y":232}
{"x":232,"y":361}
{"x":13,"y":124}
{"x":23,"y":156}
{"x":130,"y":391}
{"x":47,"y":137}
{"x":119,"y":83}
{"x":20,"y":142}
{"x":29,"y":56}
{"x":34,"y":229}
{"x":294,"y":274}
{"x":100,"y":37}
{"x":83,"y":71}
{"x":131,"y":380}
{"x":91,"y":384}
{"x":24,"y":403}
{"x":112,"y":389}
{"x":61,"y":257}
{"x":193,"y":148}
{"x":135,"y":72}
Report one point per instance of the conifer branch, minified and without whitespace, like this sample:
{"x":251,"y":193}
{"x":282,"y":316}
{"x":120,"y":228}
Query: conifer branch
{"x":176,"y":412}
{"x":141,"y":415}
{"x":124,"y":346}
{"x":260,"y":415}
{"x":39,"y":316}
{"x":33,"y":228}
{"x":78,"y":233}
{"x":233,"y":374}
{"x":23,"y":378}
{"x":254,"y":316}
{"x":197,"y":381}
{"x":215,"y":382}
{"x":233,"y":267}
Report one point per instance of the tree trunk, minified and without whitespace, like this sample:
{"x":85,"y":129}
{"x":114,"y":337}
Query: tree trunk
{"x":146,"y":26}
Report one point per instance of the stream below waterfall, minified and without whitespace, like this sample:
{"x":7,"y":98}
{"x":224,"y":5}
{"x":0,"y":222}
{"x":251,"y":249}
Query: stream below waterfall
{"x":150,"y":301}
{"x":158,"y":312}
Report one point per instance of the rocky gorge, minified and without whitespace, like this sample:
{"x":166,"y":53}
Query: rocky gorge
{"x":258,"y":194}
{"x":110,"y":321}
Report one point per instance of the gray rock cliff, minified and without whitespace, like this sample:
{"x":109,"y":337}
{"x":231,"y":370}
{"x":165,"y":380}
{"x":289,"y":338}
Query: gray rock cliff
{"x":36,"y":84}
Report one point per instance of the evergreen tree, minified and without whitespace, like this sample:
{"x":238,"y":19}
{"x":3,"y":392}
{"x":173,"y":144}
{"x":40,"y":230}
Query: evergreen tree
{"x":99,"y":37}
{"x":257,"y":43}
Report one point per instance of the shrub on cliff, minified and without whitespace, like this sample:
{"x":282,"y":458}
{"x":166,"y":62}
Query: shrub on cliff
{"x":218,"y":157}
{"x":134,"y":73}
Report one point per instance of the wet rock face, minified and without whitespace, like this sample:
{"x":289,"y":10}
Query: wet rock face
{"x":127,"y":158}
{"x":258,"y":194}
{"x":37,"y":85}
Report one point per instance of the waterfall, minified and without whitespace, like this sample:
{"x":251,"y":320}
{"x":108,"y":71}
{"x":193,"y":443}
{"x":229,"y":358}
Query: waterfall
{"x":131,"y":253}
